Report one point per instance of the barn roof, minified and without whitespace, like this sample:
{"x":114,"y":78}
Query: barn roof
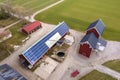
{"x":8,"y":73}
{"x":102,"y":42}
{"x":31,"y":26}
{"x":38,"y":49}
{"x":98,"y":25}
{"x":91,"y":39}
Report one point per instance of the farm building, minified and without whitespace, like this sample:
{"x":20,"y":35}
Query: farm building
{"x":30,"y":28}
{"x":38,"y":49}
{"x":96,"y":27}
{"x":8,"y":73}
{"x":92,"y":40}
{"x":87,"y":44}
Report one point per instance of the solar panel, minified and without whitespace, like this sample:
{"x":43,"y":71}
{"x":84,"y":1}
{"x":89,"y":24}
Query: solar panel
{"x":37,"y":50}
{"x":8,"y":73}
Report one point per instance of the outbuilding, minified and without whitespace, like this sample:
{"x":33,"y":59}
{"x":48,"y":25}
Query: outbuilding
{"x":87,"y":44}
{"x":38,"y":49}
{"x":96,"y":27}
{"x":30,"y":28}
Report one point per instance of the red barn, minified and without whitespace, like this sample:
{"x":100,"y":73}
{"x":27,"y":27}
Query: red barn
{"x":87,"y":44}
{"x":96,"y":27}
{"x":30,"y":28}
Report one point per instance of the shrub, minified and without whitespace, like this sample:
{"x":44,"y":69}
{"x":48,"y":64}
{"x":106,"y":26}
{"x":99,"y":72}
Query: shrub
{"x":4,"y":14}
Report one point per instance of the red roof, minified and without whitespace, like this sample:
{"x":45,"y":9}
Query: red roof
{"x":31,"y":26}
{"x":75,"y":73}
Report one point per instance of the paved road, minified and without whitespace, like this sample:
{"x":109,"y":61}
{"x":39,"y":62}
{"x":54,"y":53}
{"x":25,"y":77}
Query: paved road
{"x":108,"y":71}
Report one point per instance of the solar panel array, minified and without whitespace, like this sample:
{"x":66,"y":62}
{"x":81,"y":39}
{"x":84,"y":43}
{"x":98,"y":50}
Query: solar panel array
{"x":8,"y":73}
{"x":37,"y":50}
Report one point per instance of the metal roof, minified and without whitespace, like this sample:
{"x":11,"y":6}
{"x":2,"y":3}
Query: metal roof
{"x":98,"y":25}
{"x":38,"y":49}
{"x":31,"y":26}
{"x":102,"y":42}
{"x":91,"y":38}
{"x":8,"y":73}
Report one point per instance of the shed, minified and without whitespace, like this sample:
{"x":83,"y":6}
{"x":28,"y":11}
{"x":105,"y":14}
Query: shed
{"x":97,"y":27}
{"x":87,"y":44}
{"x":30,"y":28}
{"x":8,"y":73}
{"x":38,"y":49}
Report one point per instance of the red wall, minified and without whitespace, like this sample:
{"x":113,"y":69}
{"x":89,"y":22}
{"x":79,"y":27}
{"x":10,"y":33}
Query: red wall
{"x":94,"y":31}
{"x":85,"y":50}
{"x":24,"y":31}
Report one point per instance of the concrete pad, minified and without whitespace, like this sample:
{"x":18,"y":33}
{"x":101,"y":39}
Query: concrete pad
{"x":69,"y":39}
{"x":46,"y":68}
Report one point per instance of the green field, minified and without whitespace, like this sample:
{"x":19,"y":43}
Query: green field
{"x":95,"y":75}
{"x":79,"y":14}
{"x":114,"y":64}
{"x":32,"y":5}
{"x":6,"y":22}
{"x":18,"y":36}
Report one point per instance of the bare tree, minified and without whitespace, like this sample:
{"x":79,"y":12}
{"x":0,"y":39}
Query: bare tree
{"x":16,"y":10}
{"x":7,"y":5}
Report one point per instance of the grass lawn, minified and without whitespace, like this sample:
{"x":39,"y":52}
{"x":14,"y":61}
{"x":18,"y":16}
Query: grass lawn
{"x":95,"y":75}
{"x":7,"y":22}
{"x":114,"y":64}
{"x":79,"y":14}
{"x":18,"y":36}
{"x":3,"y":51}
{"x":33,"y":5}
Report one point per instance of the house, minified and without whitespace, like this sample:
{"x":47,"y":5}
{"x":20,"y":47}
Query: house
{"x":30,"y":28}
{"x":96,"y":27}
{"x":43,"y":45}
{"x":8,"y":73}
{"x":87,"y":44}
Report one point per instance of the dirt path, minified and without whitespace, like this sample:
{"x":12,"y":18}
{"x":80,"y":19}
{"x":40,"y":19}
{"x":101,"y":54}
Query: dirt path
{"x":2,"y":29}
{"x":32,"y":17}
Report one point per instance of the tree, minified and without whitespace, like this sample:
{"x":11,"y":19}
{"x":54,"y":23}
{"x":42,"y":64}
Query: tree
{"x":3,"y":14}
{"x":15,"y":10}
